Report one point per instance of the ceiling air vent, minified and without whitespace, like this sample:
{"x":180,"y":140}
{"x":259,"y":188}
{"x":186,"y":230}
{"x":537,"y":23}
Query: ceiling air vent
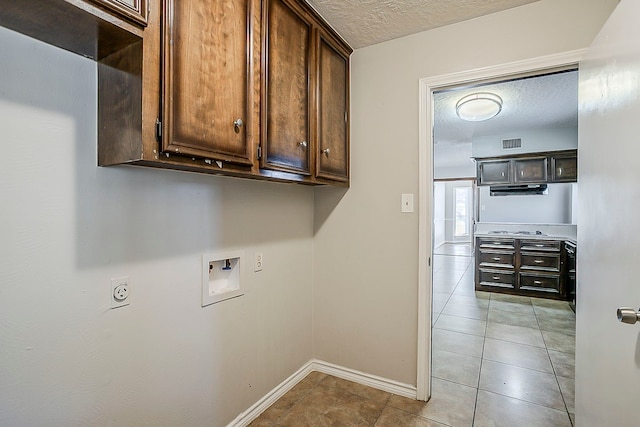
{"x":508,"y":144}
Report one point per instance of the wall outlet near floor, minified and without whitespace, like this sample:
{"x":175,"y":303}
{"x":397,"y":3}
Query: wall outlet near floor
{"x":258,"y":262}
{"x":120,"y":292}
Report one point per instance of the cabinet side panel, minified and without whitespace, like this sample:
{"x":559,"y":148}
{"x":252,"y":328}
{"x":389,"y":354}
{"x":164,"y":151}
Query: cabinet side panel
{"x":120,"y":106}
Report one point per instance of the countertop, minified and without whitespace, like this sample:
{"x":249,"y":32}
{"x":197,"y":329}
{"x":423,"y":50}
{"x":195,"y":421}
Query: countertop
{"x":549,"y":231}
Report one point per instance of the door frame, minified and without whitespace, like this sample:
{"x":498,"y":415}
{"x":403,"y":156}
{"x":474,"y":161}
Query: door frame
{"x":427,"y":86}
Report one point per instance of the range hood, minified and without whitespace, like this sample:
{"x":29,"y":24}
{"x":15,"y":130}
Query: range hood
{"x":517,"y":190}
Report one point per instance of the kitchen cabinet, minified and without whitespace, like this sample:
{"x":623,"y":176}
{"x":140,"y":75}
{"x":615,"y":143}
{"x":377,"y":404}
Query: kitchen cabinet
{"x":134,"y":10}
{"x":564,"y":168}
{"x":530,"y":267}
{"x":531,"y":168}
{"x":287,"y":88}
{"x":206,"y":79}
{"x":333,"y":109}
{"x":491,"y":172}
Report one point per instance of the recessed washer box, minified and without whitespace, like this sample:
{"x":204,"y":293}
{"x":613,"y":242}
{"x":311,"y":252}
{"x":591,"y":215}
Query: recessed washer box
{"x":221,"y":276}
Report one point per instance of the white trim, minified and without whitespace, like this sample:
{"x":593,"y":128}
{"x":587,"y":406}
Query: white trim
{"x":271,"y":397}
{"x":425,"y":185}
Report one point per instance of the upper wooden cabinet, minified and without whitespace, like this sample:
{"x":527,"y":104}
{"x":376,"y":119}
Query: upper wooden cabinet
{"x":206,"y":79}
{"x":531,"y":168}
{"x":333,"y":106}
{"x":305,"y":95}
{"x":286,"y":88}
{"x":134,"y":10}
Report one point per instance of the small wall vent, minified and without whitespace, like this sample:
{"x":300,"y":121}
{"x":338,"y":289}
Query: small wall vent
{"x":508,"y":144}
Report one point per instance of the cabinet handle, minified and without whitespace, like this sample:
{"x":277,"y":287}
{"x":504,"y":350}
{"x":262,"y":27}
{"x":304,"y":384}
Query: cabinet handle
{"x":496,"y":277}
{"x":521,"y":173}
{"x":495,"y":258}
{"x":237,"y":124}
{"x":539,"y":246}
{"x":502,"y":173}
{"x":537,"y":282}
{"x":303,"y":144}
{"x":559,"y":171}
{"x":538,"y":261}
{"x":326,"y":151}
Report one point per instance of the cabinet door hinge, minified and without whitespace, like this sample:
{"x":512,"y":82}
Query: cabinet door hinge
{"x":158,"y":130}
{"x":259,"y":151}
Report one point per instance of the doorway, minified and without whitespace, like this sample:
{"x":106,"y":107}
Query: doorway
{"x":453,"y":216}
{"x":427,"y":189}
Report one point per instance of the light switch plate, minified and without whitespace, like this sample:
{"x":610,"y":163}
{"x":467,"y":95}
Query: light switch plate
{"x":407,"y":203}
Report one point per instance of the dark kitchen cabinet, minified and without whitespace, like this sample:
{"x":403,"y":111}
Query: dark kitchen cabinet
{"x":530,"y":170}
{"x":564,"y":168}
{"x":492,"y":172}
{"x":495,"y":265}
{"x":207,"y":79}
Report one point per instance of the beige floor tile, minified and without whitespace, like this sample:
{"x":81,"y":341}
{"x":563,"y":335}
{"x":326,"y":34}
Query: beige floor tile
{"x":515,"y":307}
{"x":444,"y":286}
{"x":523,"y":356}
{"x":325,"y":406}
{"x":392,"y":417}
{"x":460,"y":324}
{"x":555,"y":312}
{"x":451,"y":404}
{"x":568,"y":389}
{"x":511,"y":318}
{"x":517,"y":334}
{"x":511,"y":298}
{"x":440,"y":300}
{"x":559,"y":342}
{"x":466,"y":311}
{"x":376,"y":395}
{"x":494,"y":410}
{"x":457,"y":368}
{"x":565,"y":326}
{"x":470,"y":301}
{"x":564,"y":364}
{"x":520,"y":383}
{"x":457,"y":342}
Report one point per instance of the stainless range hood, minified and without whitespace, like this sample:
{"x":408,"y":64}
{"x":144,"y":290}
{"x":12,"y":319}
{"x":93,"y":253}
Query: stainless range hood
{"x":517,"y":190}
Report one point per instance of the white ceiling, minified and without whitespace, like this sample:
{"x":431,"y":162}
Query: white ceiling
{"x":366,"y":22}
{"x":543,"y":102}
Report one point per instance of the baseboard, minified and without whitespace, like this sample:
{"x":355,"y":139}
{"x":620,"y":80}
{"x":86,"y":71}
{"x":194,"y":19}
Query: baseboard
{"x":380,"y":383}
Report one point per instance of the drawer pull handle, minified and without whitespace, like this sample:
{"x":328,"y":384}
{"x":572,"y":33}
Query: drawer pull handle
{"x":495,"y":258}
{"x":538,"y":261}
{"x":537,"y":282}
{"x":539,"y":246}
{"x":496,"y":277}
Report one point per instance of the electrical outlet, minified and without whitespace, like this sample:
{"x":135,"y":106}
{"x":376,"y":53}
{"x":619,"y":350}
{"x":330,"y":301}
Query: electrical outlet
{"x":120,"y":292}
{"x":407,"y":203}
{"x":258,"y":262}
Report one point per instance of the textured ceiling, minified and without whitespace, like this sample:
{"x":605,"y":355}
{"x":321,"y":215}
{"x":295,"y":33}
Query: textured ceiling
{"x":542,"y":102}
{"x":367,"y":22}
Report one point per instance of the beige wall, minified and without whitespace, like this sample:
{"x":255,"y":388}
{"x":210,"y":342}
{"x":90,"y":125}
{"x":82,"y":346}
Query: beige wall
{"x":69,"y":227}
{"x":365,"y":250}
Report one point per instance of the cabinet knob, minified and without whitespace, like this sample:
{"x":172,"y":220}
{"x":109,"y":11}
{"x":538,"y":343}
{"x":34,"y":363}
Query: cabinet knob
{"x":237,"y":124}
{"x":303,"y":144}
{"x":559,"y":171}
{"x":502,"y":173}
{"x":326,"y":151}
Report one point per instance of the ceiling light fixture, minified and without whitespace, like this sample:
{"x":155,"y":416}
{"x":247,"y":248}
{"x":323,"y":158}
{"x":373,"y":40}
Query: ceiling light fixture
{"x":479,"y":106}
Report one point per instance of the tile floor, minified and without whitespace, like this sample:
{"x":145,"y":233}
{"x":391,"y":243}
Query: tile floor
{"x":498,"y":360}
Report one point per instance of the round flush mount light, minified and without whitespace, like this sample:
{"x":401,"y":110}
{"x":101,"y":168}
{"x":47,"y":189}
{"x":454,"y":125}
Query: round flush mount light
{"x":479,"y":106}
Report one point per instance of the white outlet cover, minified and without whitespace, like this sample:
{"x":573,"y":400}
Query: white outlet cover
{"x":258,"y":262}
{"x":407,"y":203}
{"x":120,"y":292}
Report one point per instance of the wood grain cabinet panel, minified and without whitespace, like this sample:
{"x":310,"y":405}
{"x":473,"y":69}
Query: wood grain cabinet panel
{"x":564,"y":168}
{"x":530,"y":171}
{"x":494,"y":172}
{"x":286,"y":101}
{"x":333,"y":108}
{"x":134,"y":10}
{"x":206,"y":79}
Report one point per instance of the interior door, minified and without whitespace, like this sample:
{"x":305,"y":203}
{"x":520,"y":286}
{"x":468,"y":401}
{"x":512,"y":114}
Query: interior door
{"x":608,"y":352}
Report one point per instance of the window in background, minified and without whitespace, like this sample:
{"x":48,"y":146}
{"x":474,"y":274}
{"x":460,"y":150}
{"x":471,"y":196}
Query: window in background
{"x":462,"y":204}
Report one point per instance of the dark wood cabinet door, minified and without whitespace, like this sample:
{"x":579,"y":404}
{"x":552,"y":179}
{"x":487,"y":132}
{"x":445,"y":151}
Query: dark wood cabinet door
{"x":530,"y":171}
{"x":494,"y":172}
{"x":333,"y":114}
{"x":206,"y":79}
{"x":564,"y":168}
{"x":286,"y":95}
{"x":135,"y":10}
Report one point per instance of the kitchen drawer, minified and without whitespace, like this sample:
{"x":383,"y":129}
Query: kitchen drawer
{"x":539,"y":261}
{"x":540,"y":245}
{"x":499,"y":278}
{"x":497,"y":258}
{"x":496,"y":243}
{"x":539,"y":282}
